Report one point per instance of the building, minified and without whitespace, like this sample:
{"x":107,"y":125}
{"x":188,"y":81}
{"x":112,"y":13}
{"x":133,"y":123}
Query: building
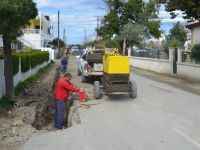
{"x":195,"y":32}
{"x":38,"y":33}
{"x":1,"y":42}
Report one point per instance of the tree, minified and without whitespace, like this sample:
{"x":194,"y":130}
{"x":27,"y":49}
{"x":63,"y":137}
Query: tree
{"x":189,"y":7}
{"x":121,"y":12}
{"x":134,"y":34}
{"x":55,"y":42}
{"x":178,"y":32}
{"x":14,"y":14}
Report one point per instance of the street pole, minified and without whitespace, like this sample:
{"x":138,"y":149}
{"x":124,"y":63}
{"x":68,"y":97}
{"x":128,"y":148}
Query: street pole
{"x":58,"y":42}
{"x":85,"y":35}
{"x":97,"y":27}
{"x":124,"y":46}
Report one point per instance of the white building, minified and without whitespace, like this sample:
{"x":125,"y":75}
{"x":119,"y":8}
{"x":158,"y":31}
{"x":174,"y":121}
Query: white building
{"x":195,"y":32}
{"x":38,"y":33}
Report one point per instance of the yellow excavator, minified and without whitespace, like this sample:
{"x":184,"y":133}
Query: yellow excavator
{"x":116,"y":76}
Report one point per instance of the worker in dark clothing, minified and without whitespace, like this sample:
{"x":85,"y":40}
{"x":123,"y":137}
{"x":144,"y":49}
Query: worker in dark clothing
{"x":61,"y":94}
{"x":64,"y":63}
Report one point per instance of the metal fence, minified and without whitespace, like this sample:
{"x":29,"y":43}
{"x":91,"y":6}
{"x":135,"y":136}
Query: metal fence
{"x":150,"y":54}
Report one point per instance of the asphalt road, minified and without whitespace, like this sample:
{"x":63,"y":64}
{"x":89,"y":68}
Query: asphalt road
{"x":162,"y":117}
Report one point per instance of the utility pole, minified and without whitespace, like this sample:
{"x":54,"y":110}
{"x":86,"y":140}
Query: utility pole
{"x":58,"y":42}
{"x":64,"y":35}
{"x":124,"y":46}
{"x":85,"y":35}
{"x":97,"y":27}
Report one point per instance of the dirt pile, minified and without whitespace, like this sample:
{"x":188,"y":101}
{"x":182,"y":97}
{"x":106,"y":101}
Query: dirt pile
{"x":34,"y":110}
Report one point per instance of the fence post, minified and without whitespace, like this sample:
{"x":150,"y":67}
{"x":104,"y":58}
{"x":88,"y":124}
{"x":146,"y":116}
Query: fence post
{"x":171,"y":59}
{"x":179,"y":55}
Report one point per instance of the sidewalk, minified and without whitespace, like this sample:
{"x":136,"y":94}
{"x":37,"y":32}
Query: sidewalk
{"x":185,"y":85}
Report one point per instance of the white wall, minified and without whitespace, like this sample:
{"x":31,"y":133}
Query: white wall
{"x":18,"y":77}
{"x":33,"y":39}
{"x":196,"y":35}
{"x":2,"y":79}
{"x":189,"y":71}
{"x":1,"y":41}
{"x":21,"y":76}
{"x":156,"y":65}
{"x":51,"y":52}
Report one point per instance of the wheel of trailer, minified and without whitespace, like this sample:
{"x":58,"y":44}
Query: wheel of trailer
{"x":84,"y":79}
{"x":97,"y":90}
{"x":133,"y":94}
{"x":78,"y":72}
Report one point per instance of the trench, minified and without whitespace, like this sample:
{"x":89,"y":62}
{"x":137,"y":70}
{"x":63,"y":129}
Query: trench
{"x":45,"y":110}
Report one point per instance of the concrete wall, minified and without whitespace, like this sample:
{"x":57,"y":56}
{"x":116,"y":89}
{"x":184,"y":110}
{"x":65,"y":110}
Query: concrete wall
{"x":21,"y":76}
{"x":189,"y":71}
{"x":51,"y":52}
{"x":18,"y":77}
{"x":156,"y":65}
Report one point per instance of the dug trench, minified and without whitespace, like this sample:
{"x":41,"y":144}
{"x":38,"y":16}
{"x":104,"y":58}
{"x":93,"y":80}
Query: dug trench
{"x":44,"y":119}
{"x":34,"y":110}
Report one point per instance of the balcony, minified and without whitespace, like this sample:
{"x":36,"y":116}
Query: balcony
{"x":31,"y":31}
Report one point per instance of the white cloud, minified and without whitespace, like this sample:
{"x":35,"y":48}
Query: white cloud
{"x":166,"y":17}
{"x":67,"y":4}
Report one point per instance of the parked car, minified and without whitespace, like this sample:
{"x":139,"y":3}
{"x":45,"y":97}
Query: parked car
{"x":90,"y":63}
{"x":75,"y":51}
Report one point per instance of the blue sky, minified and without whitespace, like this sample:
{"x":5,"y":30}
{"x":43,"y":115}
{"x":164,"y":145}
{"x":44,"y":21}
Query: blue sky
{"x":79,"y":15}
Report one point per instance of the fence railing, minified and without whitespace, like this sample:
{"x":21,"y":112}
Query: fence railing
{"x":150,"y":54}
{"x":31,"y":31}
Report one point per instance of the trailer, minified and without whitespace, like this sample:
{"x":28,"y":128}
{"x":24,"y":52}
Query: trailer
{"x":116,"y":76}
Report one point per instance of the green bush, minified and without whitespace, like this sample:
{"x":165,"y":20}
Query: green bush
{"x":25,"y":62}
{"x":195,"y":53}
{"x":1,"y":56}
{"x":38,"y":57}
{"x":15,"y":58}
{"x":5,"y":103}
{"x":28,"y":60}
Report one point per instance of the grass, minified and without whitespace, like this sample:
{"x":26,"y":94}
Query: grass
{"x":6,"y":103}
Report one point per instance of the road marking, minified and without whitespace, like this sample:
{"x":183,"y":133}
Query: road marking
{"x":187,"y":137}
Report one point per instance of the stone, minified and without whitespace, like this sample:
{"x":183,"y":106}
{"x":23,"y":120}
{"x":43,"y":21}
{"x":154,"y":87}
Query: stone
{"x":17,"y":122}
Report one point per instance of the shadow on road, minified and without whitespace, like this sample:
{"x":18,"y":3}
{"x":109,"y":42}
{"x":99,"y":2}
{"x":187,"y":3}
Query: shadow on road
{"x":118,"y":98}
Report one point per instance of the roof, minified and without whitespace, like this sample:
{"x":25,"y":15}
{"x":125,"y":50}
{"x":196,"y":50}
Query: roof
{"x":47,"y":17}
{"x":193,"y":25}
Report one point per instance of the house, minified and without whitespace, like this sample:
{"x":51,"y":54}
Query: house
{"x":38,"y":33}
{"x":195,"y":32}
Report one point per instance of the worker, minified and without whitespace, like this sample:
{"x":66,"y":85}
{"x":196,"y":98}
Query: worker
{"x":64,"y":63}
{"x":61,"y":94}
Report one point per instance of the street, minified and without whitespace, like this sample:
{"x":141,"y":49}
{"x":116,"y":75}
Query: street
{"x":162,"y":117}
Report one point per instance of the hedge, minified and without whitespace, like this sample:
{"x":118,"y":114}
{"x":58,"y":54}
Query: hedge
{"x":15,"y":58}
{"x":1,"y":56}
{"x":25,"y":62}
{"x":195,"y":53}
{"x":28,"y":60}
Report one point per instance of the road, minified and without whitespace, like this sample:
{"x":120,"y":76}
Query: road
{"x":162,"y":117}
